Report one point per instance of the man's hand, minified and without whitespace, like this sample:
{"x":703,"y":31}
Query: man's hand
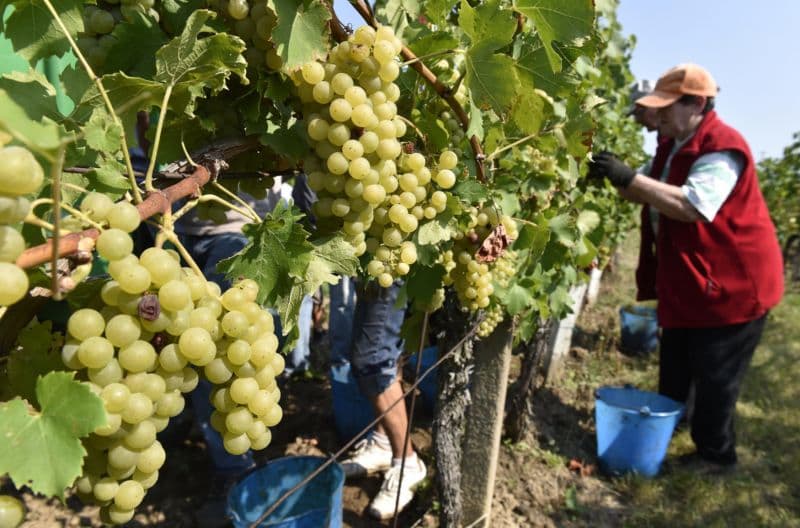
{"x":606,"y":165}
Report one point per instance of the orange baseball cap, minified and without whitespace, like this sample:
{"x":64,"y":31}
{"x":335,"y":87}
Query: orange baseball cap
{"x":683,"y":79}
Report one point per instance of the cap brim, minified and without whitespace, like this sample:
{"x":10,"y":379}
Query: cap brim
{"x":658,"y":99}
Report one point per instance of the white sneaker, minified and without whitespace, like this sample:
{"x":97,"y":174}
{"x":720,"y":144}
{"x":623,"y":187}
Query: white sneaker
{"x":367,"y":457}
{"x":382,"y":506}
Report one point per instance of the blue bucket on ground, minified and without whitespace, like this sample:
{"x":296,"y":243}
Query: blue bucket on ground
{"x":318,"y":504}
{"x":429,"y":386}
{"x":634,"y":428}
{"x":639,"y":329}
{"x":352,"y":411}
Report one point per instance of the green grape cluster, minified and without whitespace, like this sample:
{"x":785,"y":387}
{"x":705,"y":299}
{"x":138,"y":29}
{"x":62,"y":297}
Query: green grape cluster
{"x":99,"y":21}
{"x":471,"y":279}
{"x":368,"y":187}
{"x":505,"y":268}
{"x":20,"y":174}
{"x":493,"y":316}
{"x":160,"y":325}
{"x":253,"y":22}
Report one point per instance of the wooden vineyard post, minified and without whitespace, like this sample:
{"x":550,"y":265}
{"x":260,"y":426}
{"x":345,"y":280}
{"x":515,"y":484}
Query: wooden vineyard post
{"x":484,"y":424}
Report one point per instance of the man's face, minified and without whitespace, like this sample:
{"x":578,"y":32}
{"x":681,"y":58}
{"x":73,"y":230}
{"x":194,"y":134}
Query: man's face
{"x":647,"y":117}
{"x":679,"y":119}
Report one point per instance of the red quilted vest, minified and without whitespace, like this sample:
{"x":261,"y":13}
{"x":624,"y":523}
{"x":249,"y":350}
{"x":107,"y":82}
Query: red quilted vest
{"x":723,"y":272}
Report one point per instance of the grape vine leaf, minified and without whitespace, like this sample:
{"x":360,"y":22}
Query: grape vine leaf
{"x":37,"y":354}
{"x":423,"y":282}
{"x":487,"y":22}
{"x":301,"y":31}
{"x":42,"y":449}
{"x":108,"y":177}
{"x":529,"y":111}
{"x":36,"y":135}
{"x":563,"y":227}
{"x":432,"y":43}
{"x":101,"y":133}
{"x":188,"y":65}
{"x":516,"y":299}
{"x":33,"y":92}
{"x":34,"y":32}
{"x":438,"y":10}
{"x":278,"y":252}
{"x":491,"y":77}
{"x":192,"y":64}
{"x":559,"y":20}
{"x":137,"y":38}
{"x":471,"y":191}
{"x":433,"y":232}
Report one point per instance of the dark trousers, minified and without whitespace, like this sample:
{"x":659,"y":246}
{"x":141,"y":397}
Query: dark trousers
{"x":714,"y":360}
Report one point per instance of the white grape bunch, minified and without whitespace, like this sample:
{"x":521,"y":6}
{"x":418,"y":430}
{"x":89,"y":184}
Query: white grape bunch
{"x":160,"y":325}
{"x":474,"y":281}
{"x":369,"y":186}
{"x":20,"y":174}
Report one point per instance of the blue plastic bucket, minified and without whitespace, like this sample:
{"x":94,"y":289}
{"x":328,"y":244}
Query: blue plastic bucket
{"x":639,"y":329}
{"x":634,"y":429}
{"x":352,"y":411}
{"x":317,"y":504}
{"x":429,"y":387}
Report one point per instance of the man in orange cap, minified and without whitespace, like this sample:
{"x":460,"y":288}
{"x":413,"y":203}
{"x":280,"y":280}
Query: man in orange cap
{"x":718,"y":267}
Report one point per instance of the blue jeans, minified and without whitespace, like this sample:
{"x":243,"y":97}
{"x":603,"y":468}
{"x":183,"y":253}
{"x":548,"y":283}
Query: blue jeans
{"x":377,"y":343}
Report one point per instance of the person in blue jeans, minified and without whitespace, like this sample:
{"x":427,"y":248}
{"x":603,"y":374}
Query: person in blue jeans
{"x":374,"y":354}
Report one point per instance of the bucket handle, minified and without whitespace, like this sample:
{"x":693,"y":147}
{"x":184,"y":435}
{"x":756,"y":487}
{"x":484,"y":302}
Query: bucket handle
{"x":644,"y":410}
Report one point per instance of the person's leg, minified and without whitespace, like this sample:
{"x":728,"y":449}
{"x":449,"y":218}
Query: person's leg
{"x":720,"y":358}
{"x":375,"y":352}
{"x":674,"y":372}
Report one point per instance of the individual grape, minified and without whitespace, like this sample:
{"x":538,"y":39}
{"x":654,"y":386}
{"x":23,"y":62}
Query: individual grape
{"x":236,"y":444}
{"x":341,"y":82}
{"x":14,"y":285}
{"x":13,"y":209}
{"x":352,"y":149}
{"x":101,"y":22}
{"x":124,"y":216}
{"x":105,"y":489}
{"x":85,"y":323}
{"x":318,"y":129}
{"x":337,"y":163}
{"x":12,"y":511}
{"x":152,"y":458}
{"x":129,"y":495}
{"x":323,"y":94}
{"x":114,"y":244}
{"x":445,"y":178}
{"x":313,"y":72}
{"x":448,"y":160}
{"x":141,"y":435}
{"x":175,"y":296}
{"x":340,"y":110}
{"x":384,"y":51}
{"x":359,"y":168}
{"x":139,"y":356}
{"x":96,"y":206}
{"x":95,"y":352}
{"x":196,"y":345}
{"x":134,"y":279}
{"x":110,"y":373}
{"x":138,"y":408}
{"x":362,"y":115}
{"x":115,"y":397}
{"x":238,"y":9}
{"x":355,"y":95}
{"x":122,"y":330}
{"x":243,"y":389}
